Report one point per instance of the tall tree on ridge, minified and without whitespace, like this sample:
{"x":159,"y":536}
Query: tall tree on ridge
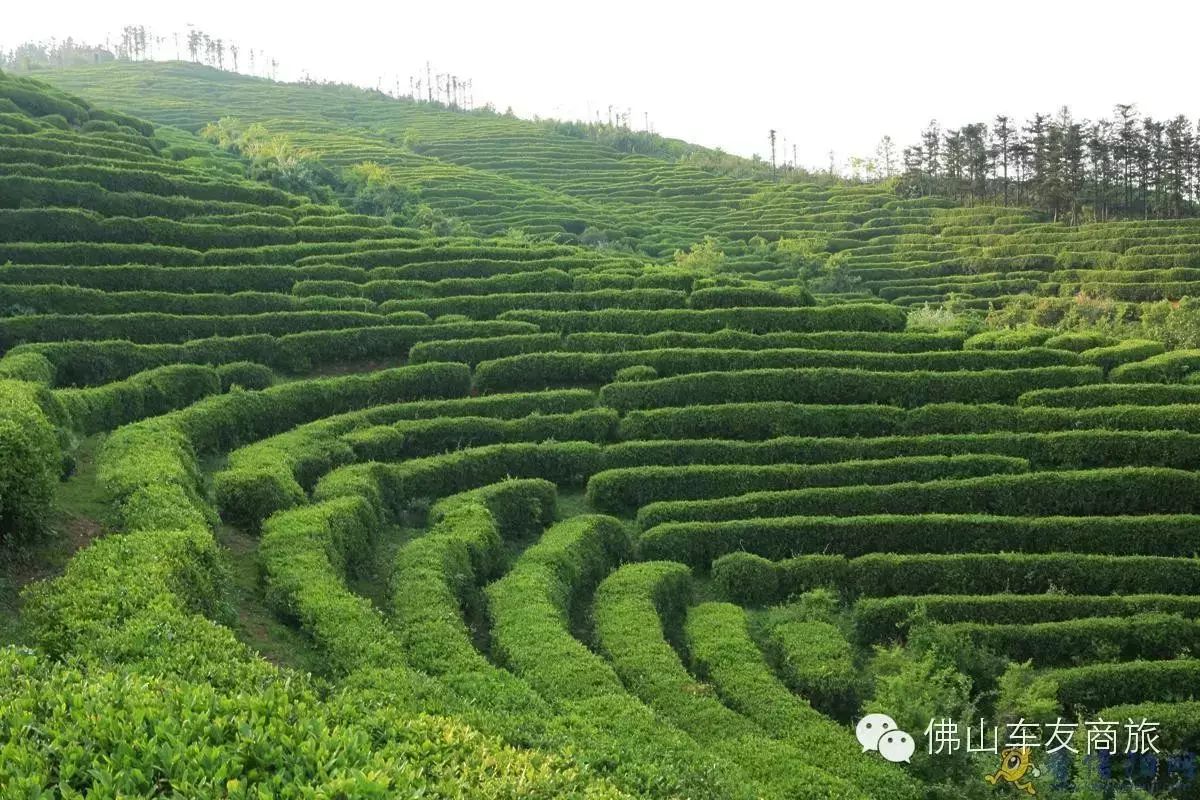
{"x":955,"y":161}
{"x":931,"y":142}
{"x":1126,"y":147}
{"x":976,"y":159}
{"x":1072,"y":168}
{"x":1003,"y":135}
{"x":886,"y":153}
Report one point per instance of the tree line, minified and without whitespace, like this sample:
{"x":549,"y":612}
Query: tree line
{"x":139,"y":43}
{"x":1123,"y":166}
{"x":68,"y":52}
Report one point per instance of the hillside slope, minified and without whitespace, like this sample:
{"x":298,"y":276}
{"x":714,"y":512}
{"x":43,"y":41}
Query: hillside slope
{"x":493,"y":172}
{"x":552,"y":520}
{"x":498,"y":174}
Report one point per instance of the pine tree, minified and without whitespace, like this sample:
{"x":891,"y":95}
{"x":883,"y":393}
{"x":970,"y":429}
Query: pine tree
{"x":1021,"y":154}
{"x":1003,"y":137}
{"x":931,"y":140}
{"x":1180,"y":152}
{"x":193,"y":44}
{"x":954,"y":158}
{"x":1100,"y":164}
{"x":977,"y":162}
{"x":1036,"y":134}
{"x":1125,"y":149}
{"x":886,"y":153}
{"x":1073,"y":168}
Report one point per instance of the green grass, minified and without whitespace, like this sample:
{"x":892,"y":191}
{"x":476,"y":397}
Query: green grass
{"x":344,"y":368}
{"x":372,"y":577}
{"x":256,"y":624}
{"x":572,"y":503}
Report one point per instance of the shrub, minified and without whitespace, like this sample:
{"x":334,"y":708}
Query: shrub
{"x":815,"y":660}
{"x":303,"y":455}
{"x":306,"y":555}
{"x":38,"y":100}
{"x":409,"y":439}
{"x":634,"y":605}
{"x":92,"y":363}
{"x":1079,"y":342}
{"x":435,"y":579}
{"x":520,"y":507}
{"x":146,"y":394}
{"x":472,"y":351}
{"x":172,"y":586}
{"x":1171,"y":367}
{"x":747,"y":296}
{"x":247,"y":498}
{"x":245,"y":374}
{"x":882,"y":575}
{"x":558,"y":369}
{"x":1081,"y":641}
{"x":723,"y":652}
{"x":1113,"y":394}
{"x":490,"y":306}
{"x":626,"y":490}
{"x":768,"y":420}
{"x":879,"y":619}
{"x":542,"y":281}
{"x":1084,"y":689}
{"x":147,"y":730}
{"x":1112,"y":356}
{"x":83,"y":363}
{"x":1097,"y":492}
{"x":389,"y":341}
{"x":747,"y":579}
{"x":397,"y":486}
{"x":530,"y":607}
{"x":30,"y":462}
{"x":1014,"y":339}
{"x":1071,"y":449}
{"x":29,"y":367}
{"x":155,"y":327}
{"x":849,"y":317}
{"x":72,"y":300}
{"x":699,"y":543}
{"x":730,"y":339}
{"x":434,"y":591}
{"x":841,"y":385}
{"x":637,"y":372}
{"x":761,"y":420}
{"x":156,"y":459}
{"x":435,"y":582}
{"x":1176,"y":722}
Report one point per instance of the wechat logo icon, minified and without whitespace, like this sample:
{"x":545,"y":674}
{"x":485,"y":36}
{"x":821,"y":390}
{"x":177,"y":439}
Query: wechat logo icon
{"x":880,"y":733}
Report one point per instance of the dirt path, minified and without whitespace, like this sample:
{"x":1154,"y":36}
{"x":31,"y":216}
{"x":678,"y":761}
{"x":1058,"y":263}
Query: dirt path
{"x":256,"y":624}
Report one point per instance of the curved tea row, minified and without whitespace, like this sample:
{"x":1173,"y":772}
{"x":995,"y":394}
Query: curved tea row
{"x":552,"y":520}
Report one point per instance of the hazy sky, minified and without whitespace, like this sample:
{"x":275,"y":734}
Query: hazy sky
{"x":828,"y":76}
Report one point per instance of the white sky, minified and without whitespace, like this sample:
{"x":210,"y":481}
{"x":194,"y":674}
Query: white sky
{"x":834,"y":75}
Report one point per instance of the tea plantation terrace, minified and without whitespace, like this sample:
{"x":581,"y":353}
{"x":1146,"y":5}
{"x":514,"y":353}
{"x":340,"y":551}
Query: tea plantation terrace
{"x":529,"y":517}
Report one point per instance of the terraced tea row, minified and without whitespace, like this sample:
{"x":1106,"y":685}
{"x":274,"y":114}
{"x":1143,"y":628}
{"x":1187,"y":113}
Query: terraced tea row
{"x":520,"y":502}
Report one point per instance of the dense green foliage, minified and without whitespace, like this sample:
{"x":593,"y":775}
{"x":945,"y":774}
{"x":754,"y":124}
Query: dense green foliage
{"x":333,"y":399}
{"x":30,"y":460}
{"x":1067,"y":167}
